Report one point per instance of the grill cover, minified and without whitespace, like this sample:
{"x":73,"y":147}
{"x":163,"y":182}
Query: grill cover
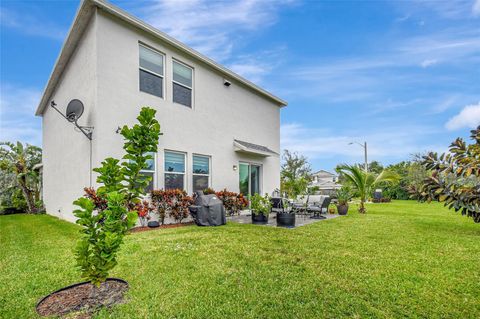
{"x":208,"y":210}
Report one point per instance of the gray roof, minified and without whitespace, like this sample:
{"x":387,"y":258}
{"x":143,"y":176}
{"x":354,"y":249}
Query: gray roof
{"x":82,"y":18}
{"x":323,"y":173}
{"x":256,"y":147}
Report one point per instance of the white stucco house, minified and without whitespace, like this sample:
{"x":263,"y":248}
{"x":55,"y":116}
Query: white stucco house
{"x":325,"y":182}
{"x":219,"y":129}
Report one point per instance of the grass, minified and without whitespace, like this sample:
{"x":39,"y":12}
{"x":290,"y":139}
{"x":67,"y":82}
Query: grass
{"x":402,"y":259}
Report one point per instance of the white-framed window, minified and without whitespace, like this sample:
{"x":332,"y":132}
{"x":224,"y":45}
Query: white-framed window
{"x":150,"y":171}
{"x":174,"y":170}
{"x":151,"y":69}
{"x":201,"y":172}
{"x":182,"y":84}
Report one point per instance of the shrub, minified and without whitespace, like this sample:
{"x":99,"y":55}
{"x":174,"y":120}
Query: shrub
{"x":208,"y":191}
{"x":233,"y":202}
{"x":173,"y":202}
{"x":108,"y":213}
{"x":455,"y":178}
{"x":260,"y":204}
{"x":143,"y":210}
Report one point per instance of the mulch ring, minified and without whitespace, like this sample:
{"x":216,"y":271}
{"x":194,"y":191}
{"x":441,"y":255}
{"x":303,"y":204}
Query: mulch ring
{"x":83,"y":298}
{"x":145,"y":228}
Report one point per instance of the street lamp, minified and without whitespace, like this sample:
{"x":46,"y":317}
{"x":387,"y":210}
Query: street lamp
{"x":364,"y":145}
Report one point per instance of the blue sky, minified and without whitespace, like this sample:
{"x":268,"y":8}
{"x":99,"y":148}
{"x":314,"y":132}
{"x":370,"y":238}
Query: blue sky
{"x":404,"y":76}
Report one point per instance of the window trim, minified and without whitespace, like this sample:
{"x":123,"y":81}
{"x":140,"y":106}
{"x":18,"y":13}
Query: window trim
{"x":154,"y":172}
{"x":174,"y":60}
{"x":209,"y":175}
{"x":164,"y":62}
{"x":179,"y":173}
{"x":260,"y":181}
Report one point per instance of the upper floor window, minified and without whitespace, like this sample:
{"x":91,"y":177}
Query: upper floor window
{"x":182,"y":84}
{"x":174,"y":170}
{"x":201,"y":172}
{"x":151,"y":71}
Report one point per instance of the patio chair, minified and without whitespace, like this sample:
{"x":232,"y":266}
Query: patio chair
{"x":319,"y":209}
{"x":300,"y":206}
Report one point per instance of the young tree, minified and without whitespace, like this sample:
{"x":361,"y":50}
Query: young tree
{"x":364,"y":182}
{"x":107,"y":214}
{"x":455,"y":178}
{"x":20,"y":160}
{"x":295,"y":175}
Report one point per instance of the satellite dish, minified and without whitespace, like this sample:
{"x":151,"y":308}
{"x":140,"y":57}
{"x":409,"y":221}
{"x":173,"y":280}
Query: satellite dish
{"x":74,"y":110}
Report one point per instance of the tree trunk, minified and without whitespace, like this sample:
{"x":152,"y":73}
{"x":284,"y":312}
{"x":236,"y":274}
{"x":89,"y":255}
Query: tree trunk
{"x":362,"y":209}
{"x":29,"y":199}
{"x":32,"y":209}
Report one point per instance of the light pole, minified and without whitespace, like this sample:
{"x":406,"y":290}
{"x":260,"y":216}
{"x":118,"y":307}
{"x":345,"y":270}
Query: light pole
{"x":364,"y":145}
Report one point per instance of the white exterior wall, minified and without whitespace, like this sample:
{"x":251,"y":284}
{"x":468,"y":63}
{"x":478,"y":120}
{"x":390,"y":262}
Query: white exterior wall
{"x":66,"y":151}
{"x":109,"y":88}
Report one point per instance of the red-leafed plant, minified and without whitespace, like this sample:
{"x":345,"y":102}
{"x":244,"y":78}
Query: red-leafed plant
{"x":99,"y":202}
{"x":143,"y":211}
{"x":173,"y":202}
{"x":208,"y":191}
{"x":233,"y":202}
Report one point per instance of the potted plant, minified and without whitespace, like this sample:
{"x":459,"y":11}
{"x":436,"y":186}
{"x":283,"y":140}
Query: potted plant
{"x":285,"y":215}
{"x":260,"y":206}
{"x":344,"y":194}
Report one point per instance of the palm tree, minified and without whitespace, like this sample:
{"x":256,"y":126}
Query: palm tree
{"x":21,"y":160}
{"x":365,"y":182}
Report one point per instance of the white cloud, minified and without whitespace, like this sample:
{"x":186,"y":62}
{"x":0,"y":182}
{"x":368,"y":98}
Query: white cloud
{"x":379,"y":75}
{"x":212,"y":27}
{"x":469,"y":117}
{"x":384,"y":143}
{"x":447,"y":9}
{"x":476,"y":8}
{"x":255,"y":66}
{"x":428,"y":62}
{"x":31,"y":25}
{"x":17,"y":119}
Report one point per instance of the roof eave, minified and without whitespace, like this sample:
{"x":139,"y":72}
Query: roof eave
{"x":243,"y":148}
{"x":74,"y":34}
{"x":79,"y":25}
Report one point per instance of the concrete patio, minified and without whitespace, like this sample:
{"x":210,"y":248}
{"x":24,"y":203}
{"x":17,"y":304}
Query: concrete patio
{"x":300,"y":220}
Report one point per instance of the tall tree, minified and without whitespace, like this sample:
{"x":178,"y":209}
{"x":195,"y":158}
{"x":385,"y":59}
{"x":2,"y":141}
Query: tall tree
{"x":20,"y":160}
{"x":364,"y":182}
{"x":295,"y":175}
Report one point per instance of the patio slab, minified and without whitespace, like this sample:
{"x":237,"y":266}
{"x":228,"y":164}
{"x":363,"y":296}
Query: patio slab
{"x":300,"y":220}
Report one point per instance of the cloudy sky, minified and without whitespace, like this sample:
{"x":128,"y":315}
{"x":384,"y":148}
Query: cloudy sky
{"x":403,"y":76}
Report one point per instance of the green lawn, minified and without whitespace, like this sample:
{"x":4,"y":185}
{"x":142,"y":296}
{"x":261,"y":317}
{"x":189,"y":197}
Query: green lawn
{"x":402,"y":259}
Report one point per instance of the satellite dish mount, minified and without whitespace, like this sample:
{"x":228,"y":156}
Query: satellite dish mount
{"x":73,"y":113}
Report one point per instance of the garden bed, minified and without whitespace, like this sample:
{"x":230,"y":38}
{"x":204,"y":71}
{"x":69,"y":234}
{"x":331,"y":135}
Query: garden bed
{"x":83,"y":297}
{"x":145,"y":228}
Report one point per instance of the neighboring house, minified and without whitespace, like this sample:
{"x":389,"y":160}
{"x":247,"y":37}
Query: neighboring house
{"x":219,"y":129}
{"x":325,"y":182}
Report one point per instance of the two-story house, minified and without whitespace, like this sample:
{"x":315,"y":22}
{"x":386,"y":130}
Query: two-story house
{"x":219,"y":129}
{"x":324,"y":182}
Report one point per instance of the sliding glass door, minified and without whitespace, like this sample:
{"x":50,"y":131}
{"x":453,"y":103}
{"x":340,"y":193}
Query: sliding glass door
{"x":249,"y":177}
